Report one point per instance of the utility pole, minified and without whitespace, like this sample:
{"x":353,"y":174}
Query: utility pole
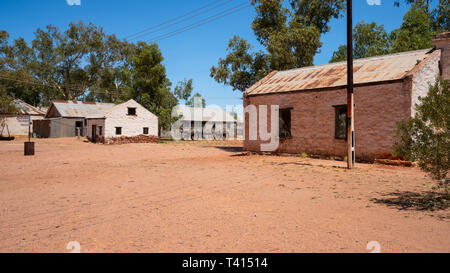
{"x":351,"y":156}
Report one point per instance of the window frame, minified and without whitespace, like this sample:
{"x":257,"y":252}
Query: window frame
{"x":120,"y":131}
{"x":145,"y":129}
{"x":290,"y":109}
{"x":130,"y":108}
{"x":337,"y":112}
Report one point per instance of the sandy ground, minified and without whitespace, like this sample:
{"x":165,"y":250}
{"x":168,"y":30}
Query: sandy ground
{"x":204,"y":198}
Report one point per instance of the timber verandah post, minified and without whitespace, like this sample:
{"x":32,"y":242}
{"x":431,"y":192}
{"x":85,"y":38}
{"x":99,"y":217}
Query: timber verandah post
{"x":351,"y":155}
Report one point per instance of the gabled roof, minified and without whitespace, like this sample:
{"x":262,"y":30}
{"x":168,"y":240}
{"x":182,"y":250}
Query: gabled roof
{"x":214,"y":114}
{"x":78,"y":109}
{"x":27,"y":109}
{"x":129,"y":103}
{"x":368,"y":70}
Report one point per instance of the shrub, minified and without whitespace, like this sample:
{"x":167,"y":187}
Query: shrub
{"x":425,"y":138}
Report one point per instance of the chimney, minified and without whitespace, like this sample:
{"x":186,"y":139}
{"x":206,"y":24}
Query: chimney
{"x":442,"y":42}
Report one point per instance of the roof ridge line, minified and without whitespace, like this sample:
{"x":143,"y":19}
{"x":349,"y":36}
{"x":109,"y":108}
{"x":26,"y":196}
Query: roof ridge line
{"x":428,"y":50}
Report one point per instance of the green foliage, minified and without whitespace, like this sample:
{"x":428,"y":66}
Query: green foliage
{"x":6,"y":103}
{"x":340,"y":55}
{"x":441,"y":16}
{"x":197,"y":100}
{"x":419,"y":26}
{"x":295,"y":47}
{"x":150,"y":85}
{"x":369,"y":39}
{"x":85,"y":63}
{"x":415,"y":32}
{"x":184,"y":89}
{"x":148,"y":73}
{"x":426,"y":137}
{"x":289,"y":34}
{"x":161,"y":104}
{"x":59,"y":65}
{"x":317,"y":13}
{"x":271,"y":18}
{"x":241,"y":68}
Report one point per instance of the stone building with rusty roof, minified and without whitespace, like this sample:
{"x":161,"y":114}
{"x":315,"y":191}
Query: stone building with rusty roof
{"x":96,"y":121}
{"x":67,"y":118}
{"x":312,"y":102}
{"x":17,"y":124}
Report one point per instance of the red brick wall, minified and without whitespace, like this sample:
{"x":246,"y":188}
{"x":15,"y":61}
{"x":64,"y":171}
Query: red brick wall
{"x":96,"y":122}
{"x":378,"y":109}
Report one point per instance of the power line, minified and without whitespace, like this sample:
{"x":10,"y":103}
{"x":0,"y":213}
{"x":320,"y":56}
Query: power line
{"x":201,"y":22}
{"x":161,"y":26}
{"x":180,"y":21}
{"x":37,"y":83}
{"x":196,"y":11}
{"x":55,"y":86}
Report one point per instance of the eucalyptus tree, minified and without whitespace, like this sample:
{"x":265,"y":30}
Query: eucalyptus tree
{"x":289,"y":33}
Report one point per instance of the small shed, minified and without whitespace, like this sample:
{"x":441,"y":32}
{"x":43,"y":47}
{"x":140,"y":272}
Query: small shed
{"x":17,"y":124}
{"x":68,"y":118}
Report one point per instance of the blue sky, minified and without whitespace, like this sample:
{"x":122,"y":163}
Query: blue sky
{"x":190,"y":54}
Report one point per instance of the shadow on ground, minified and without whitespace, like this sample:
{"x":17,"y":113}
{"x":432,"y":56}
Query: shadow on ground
{"x":426,"y":201}
{"x":230,"y":149}
{"x":306,"y":164}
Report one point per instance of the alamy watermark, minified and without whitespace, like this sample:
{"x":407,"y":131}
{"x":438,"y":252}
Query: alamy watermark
{"x":195,"y":123}
{"x":374,"y":2}
{"x":74,"y":247}
{"x":374,"y":247}
{"x":74,"y":2}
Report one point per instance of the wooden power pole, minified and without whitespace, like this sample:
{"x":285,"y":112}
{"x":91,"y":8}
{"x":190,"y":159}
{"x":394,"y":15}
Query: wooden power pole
{"x":351,"y":156}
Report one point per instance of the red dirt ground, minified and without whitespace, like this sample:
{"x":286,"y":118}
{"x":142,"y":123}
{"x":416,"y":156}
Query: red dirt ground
{"x":204,"y":198}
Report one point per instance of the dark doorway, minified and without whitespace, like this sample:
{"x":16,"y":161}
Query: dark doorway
{"x":79,"y":128}
{"x":94,"y":133}
{"x":285,"y":123}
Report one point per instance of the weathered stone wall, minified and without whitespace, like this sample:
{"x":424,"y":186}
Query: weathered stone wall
{"x":18,"y":125}
{"x":378,"y":109}
{"x":425,"y":76}
{"x":131,"y":125}
{"x":98,"y":123}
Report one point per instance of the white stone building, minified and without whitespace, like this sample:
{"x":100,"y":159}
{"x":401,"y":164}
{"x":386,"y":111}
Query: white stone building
{"x":129,"y":119}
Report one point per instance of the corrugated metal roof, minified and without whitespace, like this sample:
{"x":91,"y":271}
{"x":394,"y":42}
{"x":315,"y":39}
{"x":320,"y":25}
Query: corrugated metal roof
{"x":213,"y":114}
{"x":78,"y":109}
{"x":367,"y":70}
{"x":442,"y":36}
{"x":27,"y":109}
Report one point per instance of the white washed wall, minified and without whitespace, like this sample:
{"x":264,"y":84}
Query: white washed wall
{"x":18,"y":125}
{"x":131,"y":125}
{"x":422,"y":80}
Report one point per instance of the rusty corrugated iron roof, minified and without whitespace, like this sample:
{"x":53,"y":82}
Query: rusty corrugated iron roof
{"x":442,"y":36}
{"x":367,"y":70}
{"x":27,"y":109}
{"x":78,"y":109}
